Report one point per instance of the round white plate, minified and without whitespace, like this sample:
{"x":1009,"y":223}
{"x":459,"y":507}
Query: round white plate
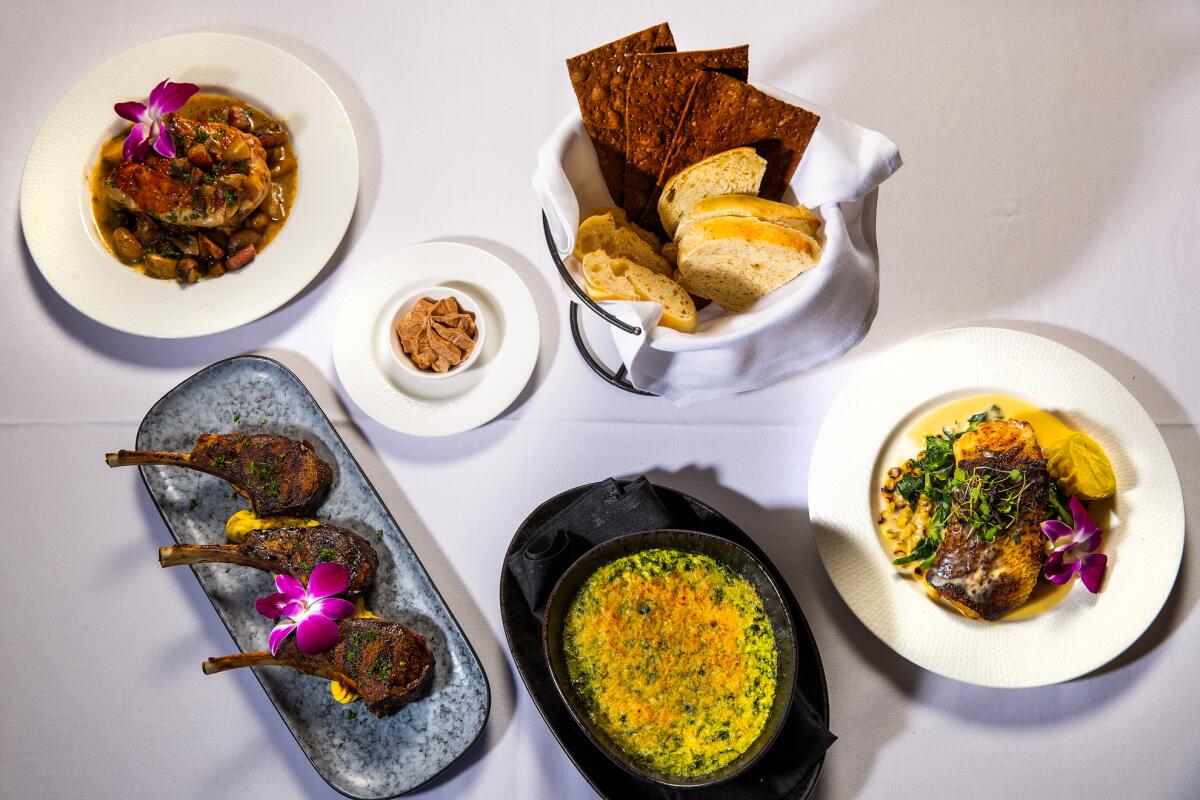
{"x":1144,"y":542}
{"x":408,"y":403}
{"x":56,"y":207}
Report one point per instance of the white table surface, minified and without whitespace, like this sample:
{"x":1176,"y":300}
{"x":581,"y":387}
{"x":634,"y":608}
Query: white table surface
{"x":1050,"y":185}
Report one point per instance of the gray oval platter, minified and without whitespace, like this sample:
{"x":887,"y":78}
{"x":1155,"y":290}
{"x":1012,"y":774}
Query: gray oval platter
{"x":357,"y":754}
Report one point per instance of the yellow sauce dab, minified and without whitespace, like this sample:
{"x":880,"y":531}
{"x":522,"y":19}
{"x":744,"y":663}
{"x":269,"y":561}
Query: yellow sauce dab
{"x":1052,"y":433}
{"x":673,"y":656}
{"x":342,"y":693}
{"x":244,"y":521}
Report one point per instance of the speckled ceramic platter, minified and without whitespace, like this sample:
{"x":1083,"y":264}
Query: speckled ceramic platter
{"x":358,"y":755}
{"x":524,"y":634}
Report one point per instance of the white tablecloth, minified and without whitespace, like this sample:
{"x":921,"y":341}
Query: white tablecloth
{"x":1050,"y":185}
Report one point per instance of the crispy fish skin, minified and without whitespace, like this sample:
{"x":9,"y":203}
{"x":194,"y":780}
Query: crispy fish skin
{"x":985,"y":579}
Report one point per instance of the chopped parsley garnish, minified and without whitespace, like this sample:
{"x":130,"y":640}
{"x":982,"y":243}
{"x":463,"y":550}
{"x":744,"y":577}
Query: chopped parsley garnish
{"x":192,"y":504}
{"x":237,"y":417}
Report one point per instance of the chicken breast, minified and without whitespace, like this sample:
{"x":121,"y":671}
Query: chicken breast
{"x":220,"y":175}
{"x":983,"y":578}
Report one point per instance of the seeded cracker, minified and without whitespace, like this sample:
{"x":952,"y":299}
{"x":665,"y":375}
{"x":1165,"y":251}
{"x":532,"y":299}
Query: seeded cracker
{"x":658,"y":88}
{"x":723,"y":113}
{"x":598,"y":77}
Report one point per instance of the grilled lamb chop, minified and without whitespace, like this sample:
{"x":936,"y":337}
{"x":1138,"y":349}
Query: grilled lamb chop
{"x":290,"y":551}
{"x":383,"y":661}
{"x":989,"y":578}
{"x":219,"y":176}
{"x":278,"y":475}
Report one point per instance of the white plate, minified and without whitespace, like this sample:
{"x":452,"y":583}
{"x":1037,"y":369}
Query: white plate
{"x":1144,"y":542}
{"x":408,"y":403}
{"x":56,"y":207}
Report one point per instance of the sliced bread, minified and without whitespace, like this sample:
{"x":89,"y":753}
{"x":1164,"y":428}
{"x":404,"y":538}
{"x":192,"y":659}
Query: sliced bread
{"x":601,"y":233}
{"x":622,"y":220}
{"x":740,"y":205}
{"x":621,"y":279}
{"x":736,"y":171}
{"x":734,"y":261}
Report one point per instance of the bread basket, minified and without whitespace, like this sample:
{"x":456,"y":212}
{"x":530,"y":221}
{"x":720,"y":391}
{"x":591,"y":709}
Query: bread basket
{"x":813,"y":319}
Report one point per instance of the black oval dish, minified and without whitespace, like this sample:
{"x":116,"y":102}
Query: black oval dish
{"x":721,"y":550}
{"x":523,"y":631}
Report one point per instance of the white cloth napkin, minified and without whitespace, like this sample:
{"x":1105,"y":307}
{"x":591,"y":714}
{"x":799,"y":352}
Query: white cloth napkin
{"x":815,"y":318}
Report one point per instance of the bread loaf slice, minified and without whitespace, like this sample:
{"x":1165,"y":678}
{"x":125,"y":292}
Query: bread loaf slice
{"x":622,"y":220}
{"x":734,"y":261}
{"x":602,"y":233}
{"x":740,"y":205}
{"x":609,"y":278}
{"x":736,"y":171}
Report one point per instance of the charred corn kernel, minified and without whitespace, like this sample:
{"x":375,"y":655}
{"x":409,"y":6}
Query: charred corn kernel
{"x":342,"y":693}
{"x":1081,"y":467}
{"x":244,"y":521}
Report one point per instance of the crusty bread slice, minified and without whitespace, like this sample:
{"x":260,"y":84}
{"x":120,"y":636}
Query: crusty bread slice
{"x":602,"y":233}
{"x":734,"y":261}
{"x":742,"y":205}
{"x":736,"y":171}
{"x":621,"y":279}
{"x":622,"y":220}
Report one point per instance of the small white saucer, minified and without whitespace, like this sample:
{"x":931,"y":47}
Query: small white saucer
{"x":410,"y":403}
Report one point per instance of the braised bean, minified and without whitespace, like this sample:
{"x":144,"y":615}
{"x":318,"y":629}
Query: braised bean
{"x":258,"y":221}
{"x":238,"y":118}
{"x":281,"y":160}
{"x":187,"y":244}
{"x":270,"y":139}
{"x":161,"y":266}
{"x":198,"y":154}
{"x":274,"y":203}
{"x":216,"y":270}
{"x":188,"y":270}
{"x":241,"y":258}
{"x":238,"y":150}
{"x":209,"y":249}
{"x":145,"y":230}
{"x":126,"y":245}
{"x":120,"y":218}
{"x":241,"y":240}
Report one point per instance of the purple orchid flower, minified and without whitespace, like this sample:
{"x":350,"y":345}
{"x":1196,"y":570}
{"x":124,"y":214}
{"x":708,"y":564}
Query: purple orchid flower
{"x":148,"y":129}
{"x":312,"y":613}
{"x":1074,"y":549}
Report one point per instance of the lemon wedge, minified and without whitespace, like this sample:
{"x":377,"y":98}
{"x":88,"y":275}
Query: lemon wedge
{"x":1081,"y":467}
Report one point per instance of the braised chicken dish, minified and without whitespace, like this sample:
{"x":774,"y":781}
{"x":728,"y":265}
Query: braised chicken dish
{"x":210,"y":209}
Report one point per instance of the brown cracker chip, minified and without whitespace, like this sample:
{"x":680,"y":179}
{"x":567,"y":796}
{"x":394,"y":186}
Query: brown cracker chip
{"x":723,"y":113}
{"x":658,"y":88}
{"x":598,"y":77}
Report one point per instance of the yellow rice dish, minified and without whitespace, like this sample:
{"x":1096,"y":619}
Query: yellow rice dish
{"x":673,"y":656}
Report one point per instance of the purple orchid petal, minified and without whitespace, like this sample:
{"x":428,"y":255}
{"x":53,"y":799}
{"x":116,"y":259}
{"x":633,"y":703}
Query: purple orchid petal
{"x":132,"y":111}
{"x":168,"y":97}
{"x":1056,"y":529}
{"x":291,"y":587}
{"x":164,"y":143}
{"x":272,"y":606}
{"x":1084,"y":525}
{"x":1091,"y":571}
{"x":334,"y":608}
{"x":316,"y":634}
{"x":137,"y":143}
{"x":279,"y":633}
{"x":328,"y":579}
{"x":1059,"y":571}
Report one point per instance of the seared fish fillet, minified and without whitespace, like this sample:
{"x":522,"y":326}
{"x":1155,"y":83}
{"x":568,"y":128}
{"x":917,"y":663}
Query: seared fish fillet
{"x":987,"y":579}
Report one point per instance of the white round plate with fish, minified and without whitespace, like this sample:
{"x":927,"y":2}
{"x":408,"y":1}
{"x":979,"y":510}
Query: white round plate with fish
{"x":68,"y":247}
{"x":869,"y":429}
{"x":365,"y":353}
